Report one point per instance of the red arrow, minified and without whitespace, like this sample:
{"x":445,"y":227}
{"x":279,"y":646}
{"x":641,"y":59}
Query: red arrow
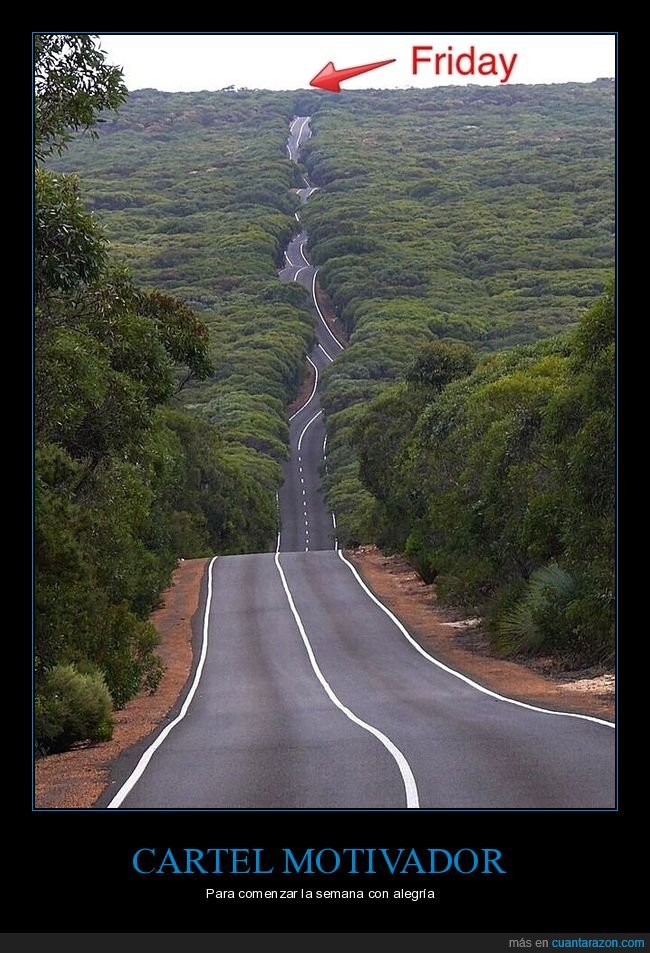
{"x":330,"y":78}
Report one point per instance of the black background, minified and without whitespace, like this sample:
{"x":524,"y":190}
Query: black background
{"x":566,"y":872}
{"x":573,"y":871}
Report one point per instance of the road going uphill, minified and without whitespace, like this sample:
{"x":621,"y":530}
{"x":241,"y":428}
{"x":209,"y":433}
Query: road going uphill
{"x":306,"y":523}
{"x":311,"y":694}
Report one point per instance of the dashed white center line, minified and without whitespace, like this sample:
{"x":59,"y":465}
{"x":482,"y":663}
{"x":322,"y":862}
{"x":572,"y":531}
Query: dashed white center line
{"x":305,"y":193}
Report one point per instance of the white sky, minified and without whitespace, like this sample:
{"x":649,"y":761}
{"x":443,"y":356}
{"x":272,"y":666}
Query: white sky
{"x":289,"y":60}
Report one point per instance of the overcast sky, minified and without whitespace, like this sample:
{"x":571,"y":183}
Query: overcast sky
{"x":290,"y":60}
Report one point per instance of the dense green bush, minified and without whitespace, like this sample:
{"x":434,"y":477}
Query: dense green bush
{"x":72,"y":706}
{"x":538,"y":619}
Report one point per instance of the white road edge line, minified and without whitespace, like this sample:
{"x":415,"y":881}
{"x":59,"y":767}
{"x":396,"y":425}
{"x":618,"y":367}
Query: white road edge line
{"x":306,"y":427}
{"x":311,"y":396}
{"x":329,"y":358}
{"x":300,"y":249}
{"x":300,"y":131}
{"x":320,"y":313}
{"x":410,"y":787}
{"x":300,"y":271}
{"x":140,"y":767}
{"x":459,"y":675}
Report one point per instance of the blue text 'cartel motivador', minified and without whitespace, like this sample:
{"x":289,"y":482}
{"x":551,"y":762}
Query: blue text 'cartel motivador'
{"x":313,"y":860}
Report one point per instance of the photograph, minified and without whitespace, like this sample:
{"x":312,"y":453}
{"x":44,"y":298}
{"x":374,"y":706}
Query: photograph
{"x":325,"y":480}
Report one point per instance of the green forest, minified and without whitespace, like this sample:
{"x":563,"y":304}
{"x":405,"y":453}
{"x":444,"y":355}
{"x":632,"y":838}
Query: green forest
{"x":465,"y":237}
{"x":156,"y":251}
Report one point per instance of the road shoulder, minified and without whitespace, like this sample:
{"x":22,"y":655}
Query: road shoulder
{"x":461,"y":643}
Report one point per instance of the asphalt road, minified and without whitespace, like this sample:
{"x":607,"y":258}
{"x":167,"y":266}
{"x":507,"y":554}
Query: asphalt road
{"x":332,"y":707}
{"x":309,"y":694}
{"x":306,"y":522}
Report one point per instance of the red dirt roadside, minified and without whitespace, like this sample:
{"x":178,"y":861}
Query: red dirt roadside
{"x":304,"y":390}
{"x":76,"y":778}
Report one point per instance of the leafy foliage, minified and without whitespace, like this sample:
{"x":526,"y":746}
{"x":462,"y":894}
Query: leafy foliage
{"x":158,"y":434}
{"x":465,"y":237}
{"x":73,"y":706}
{"x":194,"y":193}
{"x":74,"y":84}
{"x":70,"y":248}
{"x":466,"y":214}
{"x":501,"y":488}
{"x":530,"y":624}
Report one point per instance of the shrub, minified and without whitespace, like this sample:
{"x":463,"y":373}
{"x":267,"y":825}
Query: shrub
{"x":539,"y":619}
{"x":72,"y":706}
{"x":128,"y":659}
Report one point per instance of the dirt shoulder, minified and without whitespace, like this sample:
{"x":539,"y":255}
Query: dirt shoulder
{"x":461,"y":643}
{"x":76,"y":778}
{"x":304,"y":390}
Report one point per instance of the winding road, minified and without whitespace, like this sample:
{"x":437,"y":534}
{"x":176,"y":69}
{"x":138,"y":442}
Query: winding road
{"x":310,"y":694}
{"x":306,"y":524}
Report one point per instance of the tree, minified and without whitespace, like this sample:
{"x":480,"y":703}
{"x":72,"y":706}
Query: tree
{"x":69,"y":245}
{"x":127,"y":481}
{"x":73,"y":85}
{"x":439,"y":363}
{"x":107,"y":467}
